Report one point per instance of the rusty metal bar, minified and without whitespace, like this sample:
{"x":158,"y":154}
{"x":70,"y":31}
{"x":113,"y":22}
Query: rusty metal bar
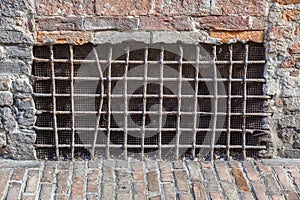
{"x":229,"y":103}
{"x":245,"y":101}
{"x":72,"y":101}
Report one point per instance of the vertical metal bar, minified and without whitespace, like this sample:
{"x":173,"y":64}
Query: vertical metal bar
{"x":144,"y":100}
{"x":229,"y":103}
{"x":72,"y":101}
{"x":100,"y":103}
{"x":178,"y":131}
{"x":54,"y":103}
{"x":196,"y":101}
{"x":109,"y":102}
{"x":125,"y":102}
{"x":215,"y":104}
{"x":161,"y":91}
{"x":245,"y":100}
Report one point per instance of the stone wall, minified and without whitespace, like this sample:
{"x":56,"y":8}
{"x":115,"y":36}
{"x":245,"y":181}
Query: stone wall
{"x":25,"y":23}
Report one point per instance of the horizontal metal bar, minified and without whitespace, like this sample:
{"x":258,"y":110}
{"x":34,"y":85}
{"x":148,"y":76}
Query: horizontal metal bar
{"x":75,"y":61}
{"x":151,"y":96}
{"x":40,"y":78}
{"x":148,"y":146}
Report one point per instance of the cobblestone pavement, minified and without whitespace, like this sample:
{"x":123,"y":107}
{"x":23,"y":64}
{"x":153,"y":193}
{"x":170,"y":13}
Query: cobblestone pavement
{"x":154,"y":180}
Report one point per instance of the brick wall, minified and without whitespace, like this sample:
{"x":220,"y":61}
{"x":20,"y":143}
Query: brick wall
{"x":25,"y":23}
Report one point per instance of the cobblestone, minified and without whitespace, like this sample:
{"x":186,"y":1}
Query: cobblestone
{"x":112,"y":179}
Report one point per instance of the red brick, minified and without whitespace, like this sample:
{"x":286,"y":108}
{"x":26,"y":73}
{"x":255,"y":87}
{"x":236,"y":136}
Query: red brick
{"x":240,"y":179}
{"x":122,"y":8}
{"x":165,"y":23}
{"x":58,"y":23}
{"x":199,"y":191}
{"x":294,"y":49}
{"x":258,"y":23}
{"x":32,"y":182}
{"x":66,"y":7}
{"x":297,"y":31}
{"x":232,"y":23}
{"x":289,"y":63}
{"x":63,"y":37}
{"x":277,"y":32}
{"x":245,"y":36}
{"x":229,"y":7}
{"x":184,"y":7}
{"x":287,"y":2}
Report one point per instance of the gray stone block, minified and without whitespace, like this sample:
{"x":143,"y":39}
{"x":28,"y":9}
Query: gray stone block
{"x":115,"y":37}
{"x":6,"y":98}
{"x":22,"y":85}
{"x":15,"y":67}
{"x":15,"y":37}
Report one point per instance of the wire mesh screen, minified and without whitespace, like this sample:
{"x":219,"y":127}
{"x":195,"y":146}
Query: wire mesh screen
{"x":158,"y":101}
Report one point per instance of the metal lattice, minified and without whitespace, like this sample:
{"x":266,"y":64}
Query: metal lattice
{"x":160,"y":101}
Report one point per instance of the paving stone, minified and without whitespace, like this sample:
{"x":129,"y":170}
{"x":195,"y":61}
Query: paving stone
{"x":169,"y":191}
{"x":14,"y":191}
{"x":181,"y":181}
{"x":199,"y":191}
{"x":33,"y":181}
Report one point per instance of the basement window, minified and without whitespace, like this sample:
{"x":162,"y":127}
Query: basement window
{"x":149,"y":101}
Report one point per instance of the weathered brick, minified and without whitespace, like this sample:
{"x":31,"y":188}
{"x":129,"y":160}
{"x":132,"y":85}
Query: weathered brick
{"x":15,"y":37}
{"x":61,"y":197}
{"x":91,"y":196}
{"x":263,"y":168}
{"x":195,"y":171}
{"x":206,"y":164}
{"x":294,"y":49}
{"x":289,"y":63}
{"x":123,"y":181}
{"x":152,"y":179}
{"x":229,"y":190}
{"x":49,"y":172}
{"x":67,"y":7}
{"x":291,"y":195}
{"x":277,"y":197}
{"x":32,"y":181}
{"x":240,"y":179}
{"x":199,"y":191}
{"x":246,"y":36}
{"x":30,"y":197}
{"x":294,"y":73}
{"x":247,"y":195}
{"x":121,"y":196}
{"x":18,"y":174}
{"x":166,"y":174}
{"x":78,"y":182}
{"x":252,"y":174}
{"x":139,"y":190}
{"x":5,"y":83}
{"x":109,"y":23}
{"x":215,"y":195}
{"x":231,"y":23}
{"x":222,"y":171}
{"x":63,"y":182}
{"x":58,"y":23}
{"x":282,"y":176}
{"x":230,"y":7}
{"x":108,"y":174}
{"x":271,"y":184}
{"x":210,"y":179}
{"x":46,"y":191}
{"x":181,"y":181}
{"x":185,"y":196}
{"x":64,"y":165}
{"x":169,"y":191}
{"x":14,"y":191}
{"x":63,"y":37}
{"x":165,"y":23}
{"x":93,"y":180}
{"x":108,"y":190}
{"x":278,"y":32}
{"x":122,"y":8}
{"x":290,"y":14}
{"x":293,"y":171}
{"x":287,"y":2}
{"x":138,"y":170}
{"x":155,"y":197}
{"x":297,"y":30}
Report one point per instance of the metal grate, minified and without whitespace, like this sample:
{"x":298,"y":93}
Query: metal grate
{"x":159,"y":101}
